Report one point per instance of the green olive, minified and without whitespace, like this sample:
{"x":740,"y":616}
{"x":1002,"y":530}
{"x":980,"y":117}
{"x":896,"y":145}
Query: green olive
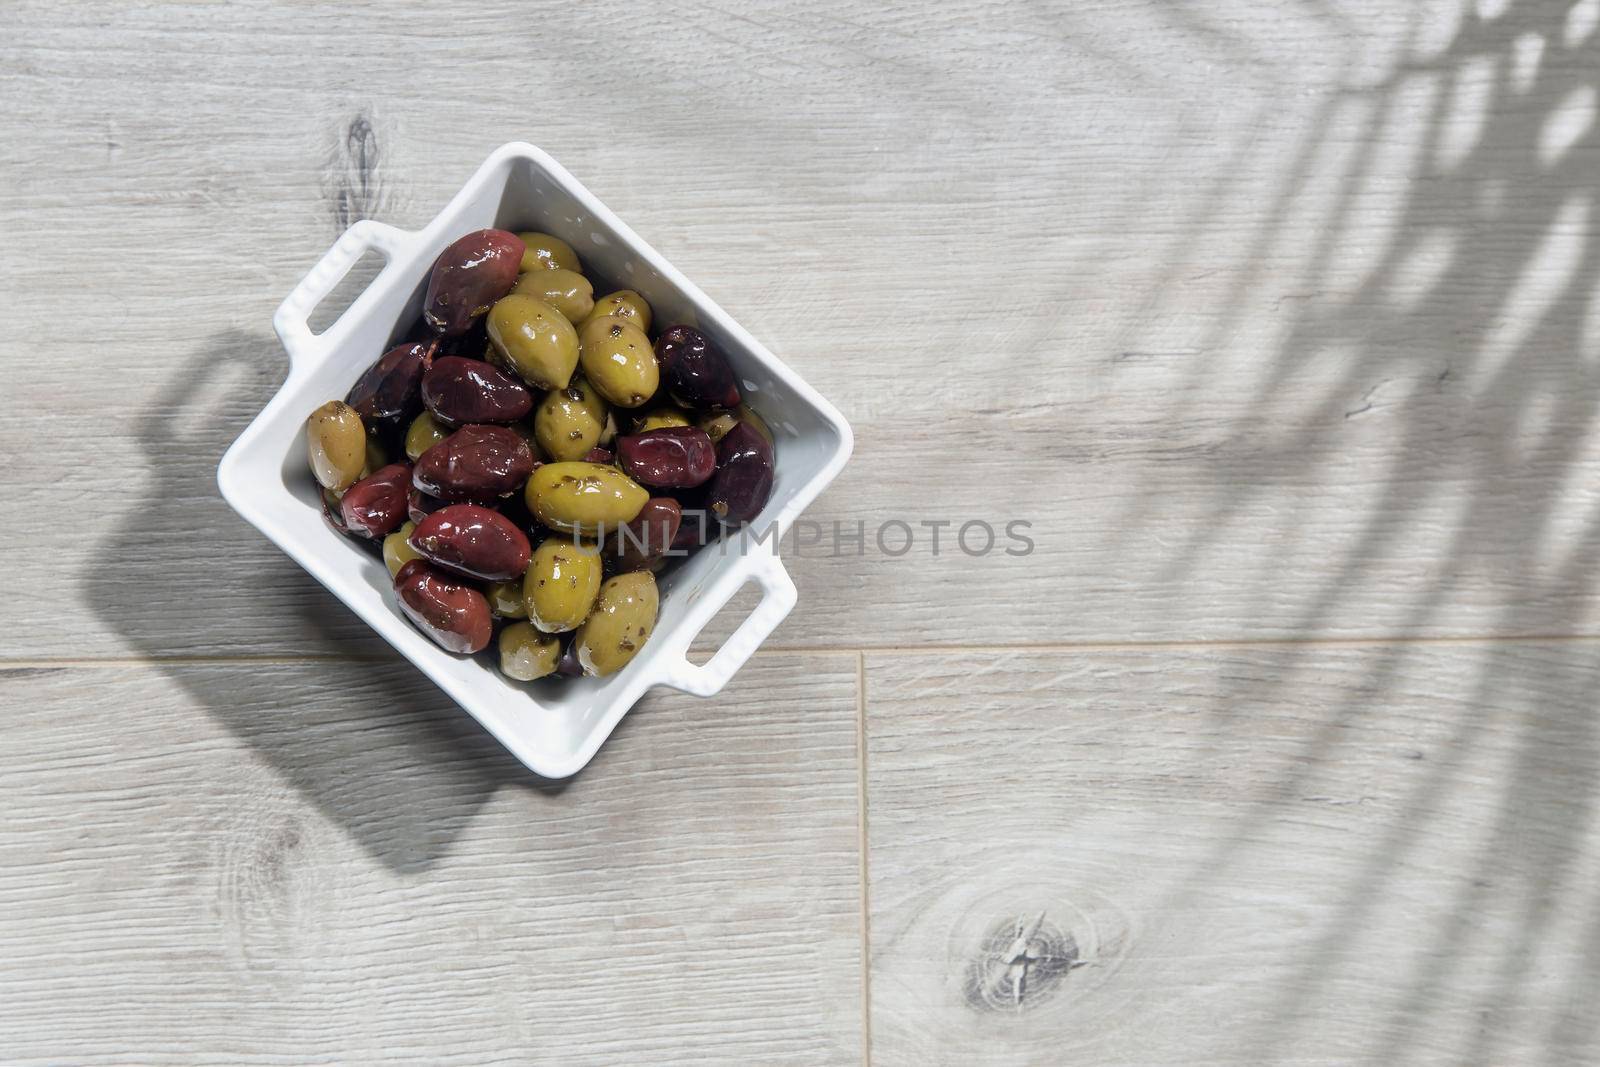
{"x":569,"y":422}
{"x":424,"y":432}
{"x":623,"y":304}
{"x":565,"y":290}
{"x":526,"y":654}
{"x":624,"y":616}
{"x":559,"y":589}
{"x":547,"y":252}
{"x":397,"y":550}
{"x":337,"y":445}
{"x":505,"y":599}
{"x":583,"y":498}
{"x":534,"y":340}
{"x":620,"y":362}
{"x":657,"y":418}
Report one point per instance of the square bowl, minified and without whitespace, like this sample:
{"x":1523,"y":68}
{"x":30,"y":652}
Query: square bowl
{"x":553,"y":726}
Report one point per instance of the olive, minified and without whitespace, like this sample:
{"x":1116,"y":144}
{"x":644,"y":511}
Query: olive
{"x":658,"y":417}
{"x":391,"y":389}
{"x":720,"y":422}
{"x":475,"y":463}
{"x":568,"y":422}
{"x":618,"y":359}
{"x":569,"y":667}
{"x":584,"y":498}
{"x":469,"y":276}
{"x":420,"y":505}
{"x":697,"y":528}
{"x":623,"y":304}
{"x":695,"y":373}
{"x":544,"y":251}
{"x":336,"y":442}
{"x":743,"y":482}
{"x":374,"y":456}
{"x":561,"y":584}
{"x":505,"y":598}
{"x":455,"y":615}
{"x":396,"y":552}
{"x":533,"y":340}
{"x":527,"y":654}
{"x":424,"y":432}
{"x":624,"y":616}
{"x":673,"y":457}
{"x":599,"y":455}
{"x":565,"y":290}
{"x":647,"y":538}
{"x":473,"y":541}
{"x":459,"y":390}
{"x":376,"y":505}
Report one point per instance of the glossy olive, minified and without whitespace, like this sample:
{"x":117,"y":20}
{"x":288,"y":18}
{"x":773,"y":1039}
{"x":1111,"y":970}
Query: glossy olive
{"x":420,"y":505}
{"x":526,"y":654}
{"x":658,"y":417}
{"x":618,"y":359}
{"x":561,"y":584}
{"x":599,"y":455}
{"x":534,"y":341}
{"x":459,"y":390}
{"x":647,"y":538}
{"x":743,"y":482}
{"x":584,"y":498}
{"x":624,"y":617}
{"x":719,"y":423}
{"x":695,"y":374}
{"x":469,"y":276}
{"x":376,"y":505}
{"x":336,"y":444}
{"x":569,"y":667}
{"x":568,"y":422}
{"x":473,"y":541}
{"x":396,"y":552}
{"x":673,"y":457}
{"x":623,"y":304}
{"x":565,"y":290}
{"x":424,"y":432}
{"x":546,"y":251}
{"x":391,"y":389}
{"x":506,"y":600}
{"x":477,"y":462}
{"x":452,"y":613}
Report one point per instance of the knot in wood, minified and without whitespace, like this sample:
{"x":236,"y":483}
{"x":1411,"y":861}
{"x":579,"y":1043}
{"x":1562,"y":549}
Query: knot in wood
{"x":1019,"y":964}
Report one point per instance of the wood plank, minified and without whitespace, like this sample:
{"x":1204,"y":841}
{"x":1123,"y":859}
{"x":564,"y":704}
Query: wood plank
{"x":1235,"y":856}
{"x":1236,"y":306}
{"x":318,"y":863}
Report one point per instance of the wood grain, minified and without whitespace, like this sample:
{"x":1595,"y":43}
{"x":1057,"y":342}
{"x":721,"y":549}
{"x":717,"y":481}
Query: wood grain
{"x":331,"y":864}
{"x":1381,"y":854}
{"x":1271,"y":322}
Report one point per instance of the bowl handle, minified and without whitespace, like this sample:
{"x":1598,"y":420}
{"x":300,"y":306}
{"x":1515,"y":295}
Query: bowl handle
{"x":777,"y":599}
{"x":291,"y":318}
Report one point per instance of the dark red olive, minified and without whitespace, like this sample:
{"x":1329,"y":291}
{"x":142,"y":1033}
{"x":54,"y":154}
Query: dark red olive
{"x":598,"y":455}
{"x":695,"y":528}
{"x":391,"y":389}
{"x":477,"y":462}
{"x":647,"y":538}
{"x":469,"y":276}
{"x":569,"y":667}
{"x":420,"y":505}
{"x":376,"y":505}
{"x":451,"y":612}
{"x":473,"y":541}
{"x":460,"y":390}
{"x":671,"y":457}
{"x":695,"y":374}
{"x":743,"y":481}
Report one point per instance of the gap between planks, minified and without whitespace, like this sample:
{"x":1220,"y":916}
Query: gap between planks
{"x":92,"y":662}
{"x":861,"y":848}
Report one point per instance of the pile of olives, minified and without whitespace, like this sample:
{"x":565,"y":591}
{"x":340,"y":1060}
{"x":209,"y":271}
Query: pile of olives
{"x":487,"y":457}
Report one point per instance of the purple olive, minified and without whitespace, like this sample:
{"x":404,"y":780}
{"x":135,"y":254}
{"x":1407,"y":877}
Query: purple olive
{"x":598,"y":455}
{"x":569,"y":667}
{"x":669,"y":457}
{"x":391,"y":389}
{"x":647,"y":538}
{"x":469,"y":276}
{"x":454,"y":614}
{"x":743,"y":481}
{"x":459,"y":390}
{"x":420,"y":505}
{"x":376,"y":505}
{"x":476,"y":462}
{"x":473,"y":541}
{"x":695,"y":374}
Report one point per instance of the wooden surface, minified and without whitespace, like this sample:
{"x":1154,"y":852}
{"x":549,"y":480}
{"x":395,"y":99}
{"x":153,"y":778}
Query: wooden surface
{"x":1277,"y":321}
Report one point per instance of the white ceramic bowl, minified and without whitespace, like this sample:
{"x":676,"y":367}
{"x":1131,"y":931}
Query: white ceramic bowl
{"x":553,"y":727}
